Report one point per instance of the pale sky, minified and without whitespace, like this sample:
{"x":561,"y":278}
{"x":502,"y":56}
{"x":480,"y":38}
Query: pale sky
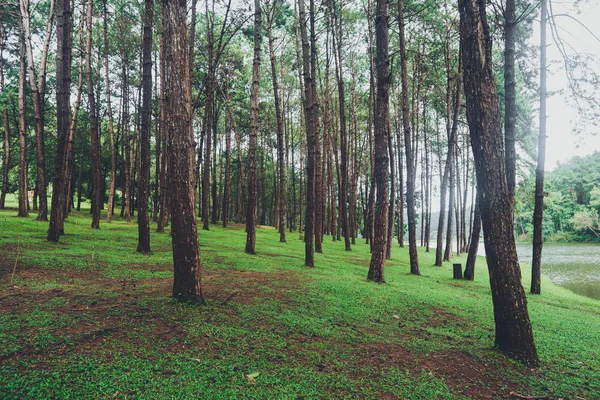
{"x":562,"y":143}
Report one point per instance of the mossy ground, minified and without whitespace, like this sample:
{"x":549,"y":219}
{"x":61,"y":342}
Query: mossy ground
{"x":91,"y":318}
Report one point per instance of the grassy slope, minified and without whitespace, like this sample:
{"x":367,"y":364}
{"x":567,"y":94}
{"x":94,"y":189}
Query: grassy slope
{"x":91,"y":318}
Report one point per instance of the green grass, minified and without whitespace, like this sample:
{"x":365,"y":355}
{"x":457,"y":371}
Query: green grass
{"x":91,"y":318}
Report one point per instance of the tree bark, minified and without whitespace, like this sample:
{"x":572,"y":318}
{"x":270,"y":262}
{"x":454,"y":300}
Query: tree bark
{"x":514,"y":335}
{"x":382,"y":123}
{"x":186,"y":253}
{"x":251,"y":206}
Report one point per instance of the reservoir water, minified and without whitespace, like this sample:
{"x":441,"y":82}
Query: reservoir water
{"x":574,"y":266}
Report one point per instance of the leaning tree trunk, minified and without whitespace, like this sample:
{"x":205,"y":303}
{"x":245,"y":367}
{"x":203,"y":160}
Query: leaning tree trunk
{"x":144,"y":180}
{"x":382,"y":124}
{"x":252,"y":142}
{"x":184,"y":232}
{"x":514,"y":334}
{"x":64,"y":26}
{"x":538,"y":210}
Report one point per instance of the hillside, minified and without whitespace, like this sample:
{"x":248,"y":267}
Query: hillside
{"x":90,"y":318}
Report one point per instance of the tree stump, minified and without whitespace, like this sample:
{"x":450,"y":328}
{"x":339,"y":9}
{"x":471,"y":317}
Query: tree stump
{"x":457,"y":271}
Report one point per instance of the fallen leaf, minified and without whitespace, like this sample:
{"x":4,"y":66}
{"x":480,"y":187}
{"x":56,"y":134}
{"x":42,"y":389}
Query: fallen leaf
{"x":252,"y":377}
{"x":396,"y":316}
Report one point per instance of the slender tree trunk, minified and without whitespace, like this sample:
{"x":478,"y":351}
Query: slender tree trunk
{"x":392,"y":212}
{"x":451,"y":206}
{"x":164,"y":130}
{"x":23,"y":184}
{"x":186,"y":253}
{"x":94,"y":131}
{"x":144,"y":180}
{"x":382,"y":124}
{"x":514,"y":335}
{"x":70,"y":156}
{"x":474,"y":245}
{"x":310,"y":115}
{"x":538,"y":210}
{"x":111,"y":132}
{"x":6,"y":157}
{"x":410,"y":168}
{"x":448,"y":165}
{"x":252,"y":142}
{"x":343,"y":131}
{"x":510,"y":108}
{"x":280,"y":127}
{"x":63,"y":112}
{"x":37,"y":90}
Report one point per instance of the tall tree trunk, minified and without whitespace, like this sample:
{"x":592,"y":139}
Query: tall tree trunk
{"x":392,"y":212}
{"x":343,"y":196}
{"x":310,"y":115}
{"x":382,"y":124}
{"x":164,"y":130}
{"x":6,"y":157}
{"x":184,"y":232}
{"x":144,"y":180}
{"x":514,"y":335}
{"x":37,"y":90}
{"x":280,"y":128}
{"x":510,"y":108}
{"x":70,"y":155}
{"x":410,"y":167}
{"x":453,"y":129}
{"x":111,"y":132}
{"x":23,"y":184}
{"x":64,"y":27}
{"x":94,"y":131}
{"x":252,"y":142}
{"x":538,"y":210}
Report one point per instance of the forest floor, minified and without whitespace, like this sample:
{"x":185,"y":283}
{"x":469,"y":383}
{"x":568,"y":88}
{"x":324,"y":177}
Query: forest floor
{"x":90,"y":318}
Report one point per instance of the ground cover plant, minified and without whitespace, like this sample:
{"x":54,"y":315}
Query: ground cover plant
{"x":90,"y":318}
